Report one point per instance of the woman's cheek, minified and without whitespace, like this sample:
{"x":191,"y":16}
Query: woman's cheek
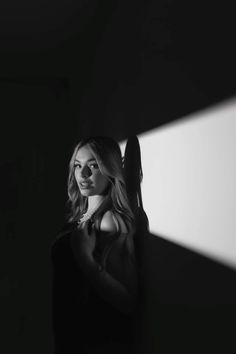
{"x":77,"y":179}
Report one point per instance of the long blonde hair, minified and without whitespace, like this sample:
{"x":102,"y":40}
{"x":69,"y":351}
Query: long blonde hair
{"x":108,"y":156}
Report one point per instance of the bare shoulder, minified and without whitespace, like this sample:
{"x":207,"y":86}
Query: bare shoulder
{"x":113,"y":221}
{"x":108,"y":222}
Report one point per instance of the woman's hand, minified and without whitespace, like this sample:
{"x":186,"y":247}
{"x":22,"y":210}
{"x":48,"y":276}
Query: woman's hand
{"x":83,"y":243}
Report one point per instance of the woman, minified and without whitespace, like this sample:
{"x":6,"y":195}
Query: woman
{"x":95,"y":279}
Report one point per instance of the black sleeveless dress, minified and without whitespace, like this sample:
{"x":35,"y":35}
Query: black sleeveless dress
{"x":83,"y":323}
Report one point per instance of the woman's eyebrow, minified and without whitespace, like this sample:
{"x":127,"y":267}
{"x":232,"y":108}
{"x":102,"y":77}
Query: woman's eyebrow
{"x":85,"y":160}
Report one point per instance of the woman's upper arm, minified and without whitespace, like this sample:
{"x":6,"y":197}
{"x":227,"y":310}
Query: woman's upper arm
{"x":129,"y":264}
{"x":121,"y":261}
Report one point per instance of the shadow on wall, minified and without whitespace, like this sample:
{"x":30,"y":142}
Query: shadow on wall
{"x":187,"y":301}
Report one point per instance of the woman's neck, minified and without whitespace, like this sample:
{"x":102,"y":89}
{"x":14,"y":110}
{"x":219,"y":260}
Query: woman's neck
{"x":94,"y":202}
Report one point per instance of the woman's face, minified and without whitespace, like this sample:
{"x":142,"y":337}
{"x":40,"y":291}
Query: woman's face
{"x":88,"y":176}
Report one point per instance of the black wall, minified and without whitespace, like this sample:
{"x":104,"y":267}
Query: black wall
{"x":70,"y":69}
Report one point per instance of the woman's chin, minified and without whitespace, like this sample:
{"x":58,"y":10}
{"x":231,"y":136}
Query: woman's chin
{"x":86,"y":192}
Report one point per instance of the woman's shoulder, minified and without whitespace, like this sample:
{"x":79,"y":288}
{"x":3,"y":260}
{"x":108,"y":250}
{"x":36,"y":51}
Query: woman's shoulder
{"x":109,"y":222}
{"x":112,"y":221}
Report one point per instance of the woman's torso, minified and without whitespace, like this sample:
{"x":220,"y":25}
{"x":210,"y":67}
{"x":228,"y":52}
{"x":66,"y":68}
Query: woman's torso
{"x":81,"y":318}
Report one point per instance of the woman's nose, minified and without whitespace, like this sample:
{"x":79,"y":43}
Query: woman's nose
{"x":85,"y":172}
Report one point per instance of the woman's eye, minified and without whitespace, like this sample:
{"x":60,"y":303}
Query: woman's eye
{"x":77,"y":166}
{"x":94,"y":166}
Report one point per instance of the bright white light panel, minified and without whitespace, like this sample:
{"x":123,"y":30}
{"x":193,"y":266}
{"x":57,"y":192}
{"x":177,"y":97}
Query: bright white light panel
{"x":189,"y":185}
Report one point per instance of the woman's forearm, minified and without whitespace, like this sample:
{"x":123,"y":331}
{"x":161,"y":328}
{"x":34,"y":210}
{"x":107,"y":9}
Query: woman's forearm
{"x":109,"y":288}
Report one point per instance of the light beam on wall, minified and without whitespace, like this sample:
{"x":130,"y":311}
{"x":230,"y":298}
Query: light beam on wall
{"x":189,"y":184}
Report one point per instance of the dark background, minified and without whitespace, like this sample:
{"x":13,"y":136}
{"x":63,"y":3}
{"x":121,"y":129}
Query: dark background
{"x":74,"y":68}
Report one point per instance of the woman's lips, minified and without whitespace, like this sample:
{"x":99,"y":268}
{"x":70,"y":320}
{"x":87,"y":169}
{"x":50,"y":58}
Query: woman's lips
{"x":85,"y":185}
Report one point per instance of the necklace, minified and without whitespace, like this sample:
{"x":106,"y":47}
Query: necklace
{"x":88,"y":214}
